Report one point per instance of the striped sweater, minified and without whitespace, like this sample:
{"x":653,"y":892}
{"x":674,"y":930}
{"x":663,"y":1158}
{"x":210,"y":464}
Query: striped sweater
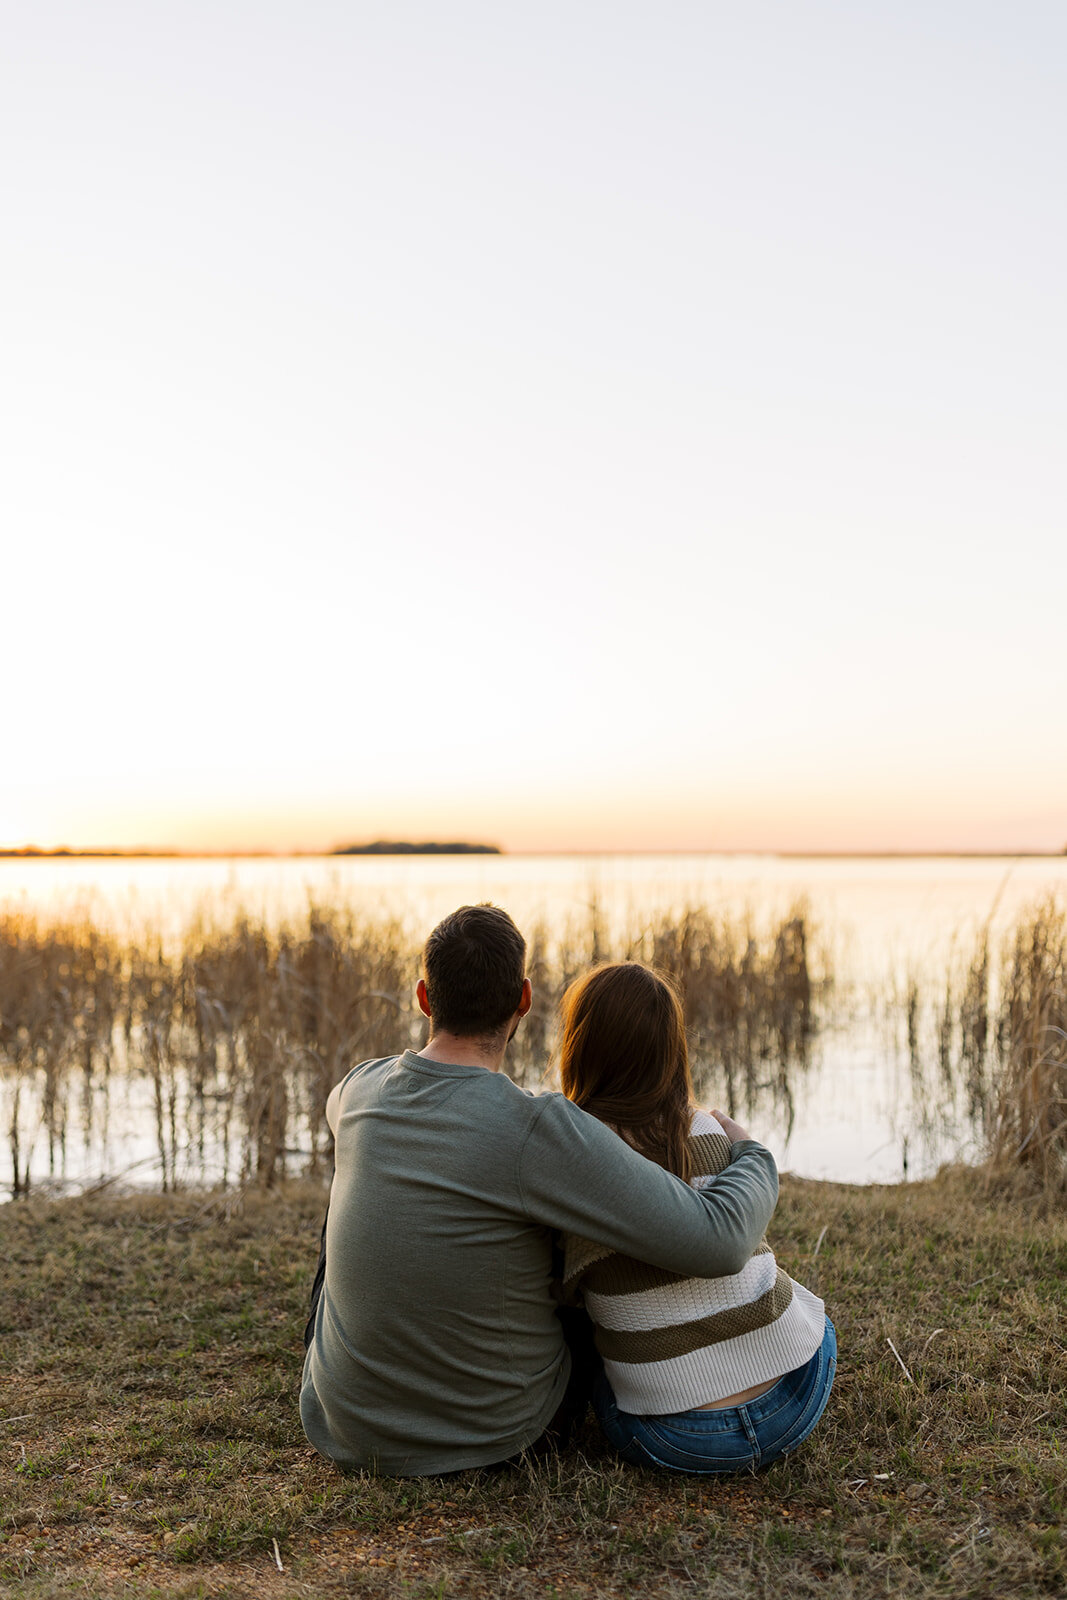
{"x":671,"y":1343}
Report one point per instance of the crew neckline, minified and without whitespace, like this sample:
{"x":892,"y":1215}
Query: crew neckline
{"x":441,"y":1069}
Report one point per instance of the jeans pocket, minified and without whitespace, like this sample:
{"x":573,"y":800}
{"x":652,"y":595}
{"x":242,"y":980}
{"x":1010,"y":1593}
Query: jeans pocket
{"x":683,"y":1445}
{"x":638,"y":1454}
{"x":802,"y":1425}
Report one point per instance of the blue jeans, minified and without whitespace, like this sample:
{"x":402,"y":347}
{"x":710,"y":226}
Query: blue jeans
{"x":733,"y":1438}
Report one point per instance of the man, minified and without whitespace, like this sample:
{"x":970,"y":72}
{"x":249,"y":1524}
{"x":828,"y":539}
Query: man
{"x":434,"y":1345}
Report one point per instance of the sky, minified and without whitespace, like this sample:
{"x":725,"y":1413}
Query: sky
{"x":587,"y":426}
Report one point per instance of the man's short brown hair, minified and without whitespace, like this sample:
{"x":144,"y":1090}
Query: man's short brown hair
{"x":474,"y":963}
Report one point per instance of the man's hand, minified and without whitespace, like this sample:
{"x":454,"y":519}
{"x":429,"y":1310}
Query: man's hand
{"x":733,"y":1130}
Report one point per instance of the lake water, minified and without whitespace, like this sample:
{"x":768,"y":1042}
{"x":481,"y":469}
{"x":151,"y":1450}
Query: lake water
{"x":880,"y":924}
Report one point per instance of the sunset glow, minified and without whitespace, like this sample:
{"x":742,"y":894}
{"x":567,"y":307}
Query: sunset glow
{"x":566,"y":429}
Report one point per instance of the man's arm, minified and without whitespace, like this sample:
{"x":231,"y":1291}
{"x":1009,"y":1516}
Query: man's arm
{"x":576,"y":1175}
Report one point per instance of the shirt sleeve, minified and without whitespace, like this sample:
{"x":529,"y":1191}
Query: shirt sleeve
{"x":577,"y":1175}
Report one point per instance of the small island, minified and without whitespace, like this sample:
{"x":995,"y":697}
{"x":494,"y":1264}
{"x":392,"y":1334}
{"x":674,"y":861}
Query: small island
{"x":404,"y":847}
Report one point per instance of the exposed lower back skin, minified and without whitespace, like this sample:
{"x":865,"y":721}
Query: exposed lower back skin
{"x":738,"y":1399}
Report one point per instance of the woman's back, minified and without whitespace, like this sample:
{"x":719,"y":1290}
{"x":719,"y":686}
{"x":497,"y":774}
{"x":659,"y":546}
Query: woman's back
{"x":671,"y":1343}
{"x":700,"y":1375}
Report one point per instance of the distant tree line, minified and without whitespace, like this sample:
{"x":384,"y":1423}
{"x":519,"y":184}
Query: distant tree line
{"x":404,"y":847}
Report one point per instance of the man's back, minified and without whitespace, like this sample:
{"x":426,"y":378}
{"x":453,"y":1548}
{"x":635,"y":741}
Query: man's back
{"x":438,"y":1348}
{"x":435,"y":1344}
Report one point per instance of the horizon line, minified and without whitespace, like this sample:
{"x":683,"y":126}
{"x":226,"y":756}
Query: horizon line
{"x":166,"y":853}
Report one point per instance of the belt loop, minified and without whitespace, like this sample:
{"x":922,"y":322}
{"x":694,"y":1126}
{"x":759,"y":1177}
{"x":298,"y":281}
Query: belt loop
{"x":750,"y":1434}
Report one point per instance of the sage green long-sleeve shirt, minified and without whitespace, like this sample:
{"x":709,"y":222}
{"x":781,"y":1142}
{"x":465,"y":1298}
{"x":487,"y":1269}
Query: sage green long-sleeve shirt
{"x":436,"y":1346}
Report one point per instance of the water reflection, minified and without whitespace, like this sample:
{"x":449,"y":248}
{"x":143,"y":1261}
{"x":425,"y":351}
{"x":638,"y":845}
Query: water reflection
{"x":203,"y":1051}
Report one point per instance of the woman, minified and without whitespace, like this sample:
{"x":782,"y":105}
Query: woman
{"x":700,"y":1375}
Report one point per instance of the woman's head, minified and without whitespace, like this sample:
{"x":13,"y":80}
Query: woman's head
{"x":623,"y":1057}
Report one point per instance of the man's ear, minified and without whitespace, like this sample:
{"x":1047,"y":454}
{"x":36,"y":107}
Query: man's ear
{"x":422,"y":997}
{"x":527,"y":997}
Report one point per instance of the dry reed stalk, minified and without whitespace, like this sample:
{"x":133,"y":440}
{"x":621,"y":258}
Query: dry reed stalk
{"x":1029,"y":1121}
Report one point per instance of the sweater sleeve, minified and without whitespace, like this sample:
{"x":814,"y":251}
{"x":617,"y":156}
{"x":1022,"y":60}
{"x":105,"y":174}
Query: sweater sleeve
{"x":577,"y":1175}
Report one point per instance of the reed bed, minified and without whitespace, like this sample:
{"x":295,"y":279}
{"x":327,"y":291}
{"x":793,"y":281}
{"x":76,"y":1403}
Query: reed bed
{"x":1028,"y":1110}
{"x":987,"y":1047}
{"x":240,"y":1030}
{"x":234,"y":1035}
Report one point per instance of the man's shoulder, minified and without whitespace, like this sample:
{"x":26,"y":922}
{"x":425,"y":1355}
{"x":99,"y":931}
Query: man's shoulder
{"x":365,"y":1072}
{"x":506,"y":1096}
{"x":374,"y":1061}
{"x":558,"y":1119}
{"x":541,"y":1114}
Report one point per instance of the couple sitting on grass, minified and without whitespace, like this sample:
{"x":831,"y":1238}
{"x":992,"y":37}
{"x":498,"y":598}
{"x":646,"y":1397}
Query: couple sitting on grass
{"x":494,"y":1259}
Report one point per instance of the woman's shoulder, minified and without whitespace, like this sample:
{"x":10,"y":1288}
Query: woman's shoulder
{"x":704,"y":1123}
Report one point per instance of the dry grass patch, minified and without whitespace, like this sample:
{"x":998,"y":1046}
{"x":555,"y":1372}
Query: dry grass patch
{"x":150,"y":1442}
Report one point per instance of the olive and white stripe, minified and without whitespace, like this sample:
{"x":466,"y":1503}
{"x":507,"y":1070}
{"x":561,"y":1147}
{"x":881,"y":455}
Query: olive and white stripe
{"x":671,"y":1343}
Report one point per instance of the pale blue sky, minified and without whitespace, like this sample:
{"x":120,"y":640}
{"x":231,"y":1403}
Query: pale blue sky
{"x":589,"y":424}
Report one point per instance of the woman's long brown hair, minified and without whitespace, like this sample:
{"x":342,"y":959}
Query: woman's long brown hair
{"x":624,"y":1058}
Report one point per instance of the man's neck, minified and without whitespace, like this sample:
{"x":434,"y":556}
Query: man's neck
{"x":459,"y":1051}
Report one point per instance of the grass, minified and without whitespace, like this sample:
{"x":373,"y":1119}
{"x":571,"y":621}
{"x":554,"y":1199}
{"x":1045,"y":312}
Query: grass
{"x":151,"y":1444}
